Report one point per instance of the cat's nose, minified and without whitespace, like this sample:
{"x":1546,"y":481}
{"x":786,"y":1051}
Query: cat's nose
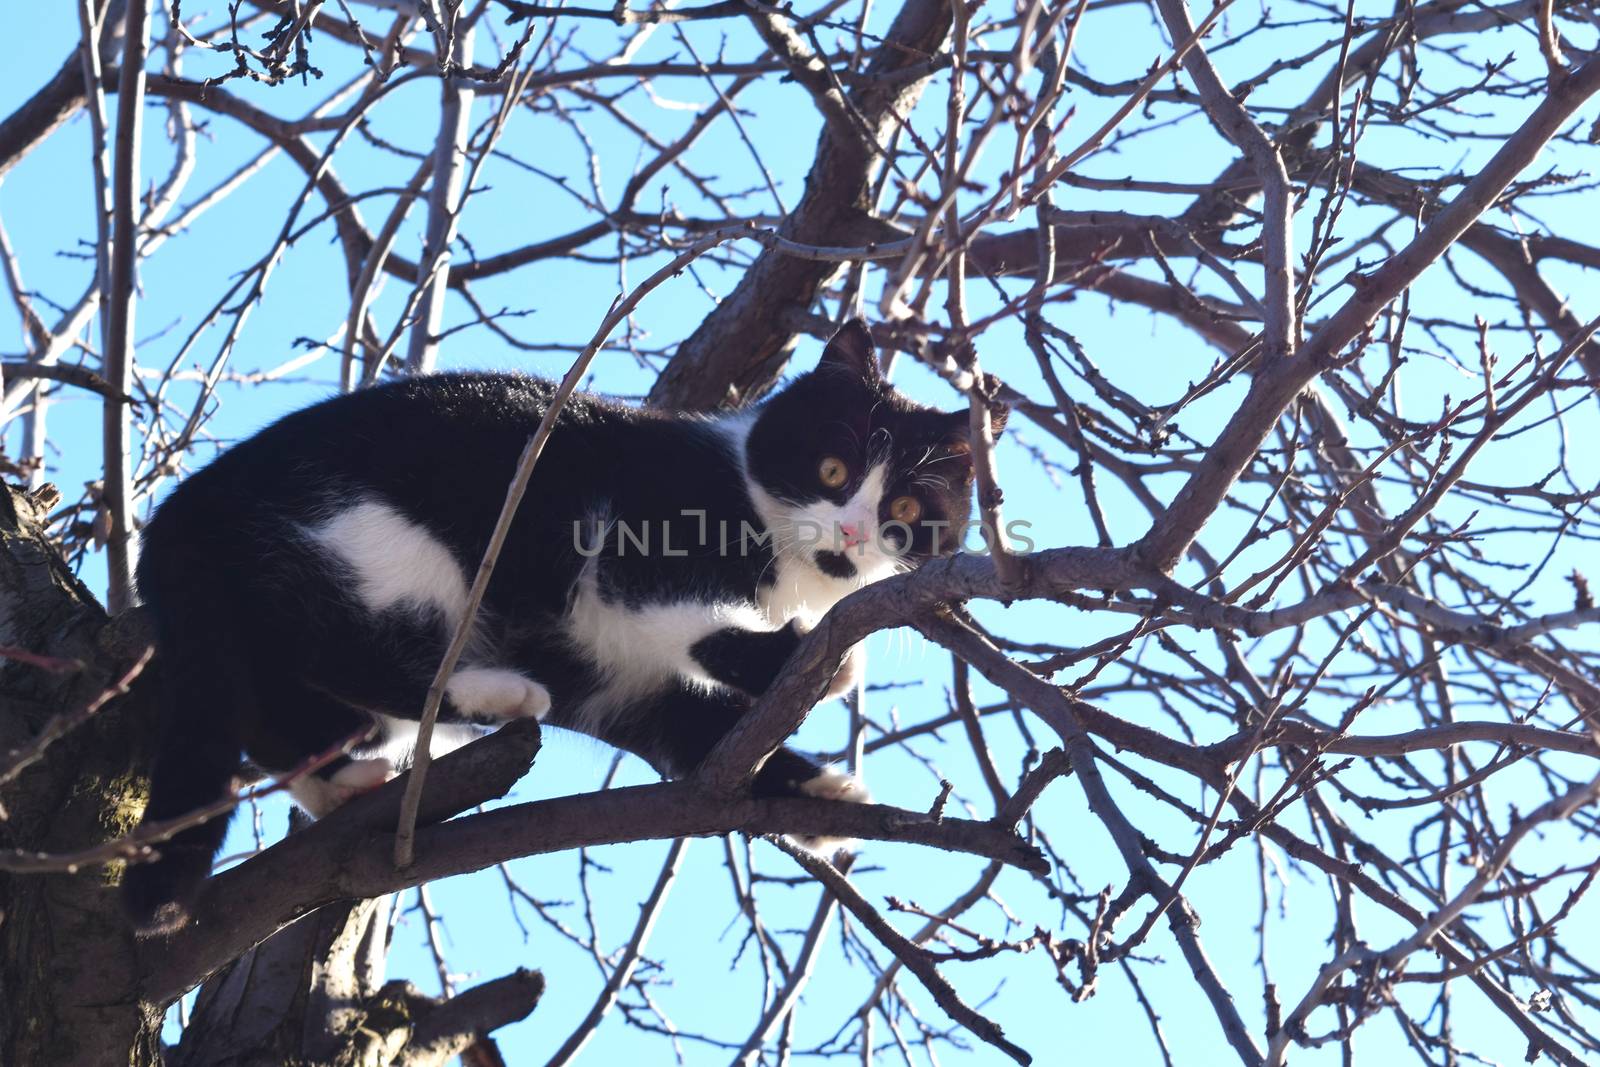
{"x":854,"y":533}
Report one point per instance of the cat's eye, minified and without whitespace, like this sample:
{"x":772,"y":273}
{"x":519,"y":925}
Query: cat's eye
{"x":906,"y":509}
{"x":832,"y":472}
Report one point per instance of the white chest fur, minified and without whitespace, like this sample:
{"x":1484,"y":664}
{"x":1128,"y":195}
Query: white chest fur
{"x":800,"y":591}
{"x":636,"y":649}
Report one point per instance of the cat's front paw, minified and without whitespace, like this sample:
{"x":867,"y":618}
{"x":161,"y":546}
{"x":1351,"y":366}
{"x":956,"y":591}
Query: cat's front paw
{"x":495,"y":694}
{"x":850,"y":672}
{"x":831,"y":784}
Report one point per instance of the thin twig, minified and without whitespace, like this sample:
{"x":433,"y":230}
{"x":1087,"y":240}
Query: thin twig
{"x":914,"y":957}
{"x":117,"y":418}
{"x":405,"y":832}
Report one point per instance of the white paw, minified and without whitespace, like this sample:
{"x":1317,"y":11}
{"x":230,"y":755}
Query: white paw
{"x":831,"y":785}
{"x":494,"y":694}
{"x":360,"y":775}
{"x":834,"y":784}
{"x":850,"y":672}
{"x":320,"y":795}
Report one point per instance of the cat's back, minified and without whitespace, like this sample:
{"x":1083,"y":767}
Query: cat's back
{"x":438,"y":448}
{"x":412,"y":436}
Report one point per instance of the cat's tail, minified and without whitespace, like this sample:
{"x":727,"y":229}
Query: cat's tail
{"x":204,"y":689}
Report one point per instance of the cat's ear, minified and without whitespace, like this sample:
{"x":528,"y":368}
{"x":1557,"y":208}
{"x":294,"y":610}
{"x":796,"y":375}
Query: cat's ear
{"x":851,"y":349}
{"x":958,"y":427}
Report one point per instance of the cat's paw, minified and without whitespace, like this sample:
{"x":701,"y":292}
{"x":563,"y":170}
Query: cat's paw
{"x":849,"y":676}
{"x":831,"y":784}
{"x":494,"y":694}
{"x":360,"y":775}
{"x":320,"y":795}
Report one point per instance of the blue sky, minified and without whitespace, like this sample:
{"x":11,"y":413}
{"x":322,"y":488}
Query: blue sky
{"x":45,"y":206}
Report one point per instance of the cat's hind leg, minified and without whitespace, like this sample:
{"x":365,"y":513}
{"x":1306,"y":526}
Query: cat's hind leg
{"x":206,"y":701}
{"x":321,"y":794}
{"x":301,"y":725}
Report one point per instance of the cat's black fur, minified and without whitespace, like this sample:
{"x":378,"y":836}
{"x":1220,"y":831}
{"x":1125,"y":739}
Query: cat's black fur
{"x":266,"y":574}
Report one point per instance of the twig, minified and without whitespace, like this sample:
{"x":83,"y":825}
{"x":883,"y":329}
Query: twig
{"x":1550,"y":41}
{"x":117,"y":418}
{"x":1175,"y":528}
{"x":138,"y":846}
{"x":445,"y":200}
{"x":54,"y":664}
{"x":1280,"y":330}
{"x":19,"y":759}
{"x":914,"y":957}
{"x":69,"y":373}
{"x":1126,"y":108}
{"x":800,"y":972}
{"x":622,"y":972}
{"x":405,"y":833}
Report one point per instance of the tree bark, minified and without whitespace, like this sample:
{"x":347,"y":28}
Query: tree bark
{"x":68,"y":984}
{"x":75,"y":986}
{"x":739,"y":349}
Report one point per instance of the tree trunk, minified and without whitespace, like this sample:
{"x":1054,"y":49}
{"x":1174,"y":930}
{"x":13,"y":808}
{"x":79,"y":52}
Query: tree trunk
{"x":70,"y":969}
{"x":68,"y":978}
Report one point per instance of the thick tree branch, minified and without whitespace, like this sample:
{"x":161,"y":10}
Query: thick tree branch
{"x":1272,"y":390}
{"x":350,"y":854}
{"x":738,"y":350}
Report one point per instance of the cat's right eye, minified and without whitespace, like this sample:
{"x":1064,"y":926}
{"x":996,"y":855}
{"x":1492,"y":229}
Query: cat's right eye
{"x":832,"y":472}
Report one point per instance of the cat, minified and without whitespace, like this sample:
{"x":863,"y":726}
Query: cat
{"x":660,"y":571}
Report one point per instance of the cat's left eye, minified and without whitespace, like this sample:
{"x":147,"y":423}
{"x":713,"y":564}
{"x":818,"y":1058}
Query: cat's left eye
{"x":832,"y":472}
{"x":906,"y":509}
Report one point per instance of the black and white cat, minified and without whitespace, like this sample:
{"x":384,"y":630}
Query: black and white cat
{"x":659,"y":573}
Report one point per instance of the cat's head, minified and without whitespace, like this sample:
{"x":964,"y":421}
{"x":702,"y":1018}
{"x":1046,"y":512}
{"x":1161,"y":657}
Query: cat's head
{"x":853,"y":477}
